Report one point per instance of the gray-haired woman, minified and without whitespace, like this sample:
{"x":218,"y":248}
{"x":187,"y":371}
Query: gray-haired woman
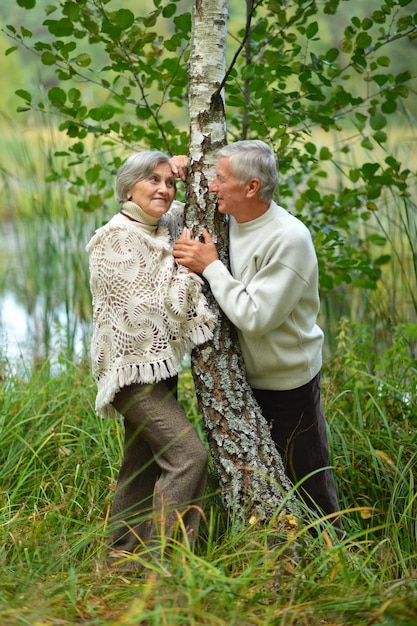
{"x":147,"y":312}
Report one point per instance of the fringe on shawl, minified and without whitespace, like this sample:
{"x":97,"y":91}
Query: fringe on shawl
{"x":143,"y":373}
{"x":201,"y":334}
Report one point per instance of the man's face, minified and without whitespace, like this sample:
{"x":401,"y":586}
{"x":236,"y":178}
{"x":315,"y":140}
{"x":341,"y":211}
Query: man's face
{"x":231,"y":194}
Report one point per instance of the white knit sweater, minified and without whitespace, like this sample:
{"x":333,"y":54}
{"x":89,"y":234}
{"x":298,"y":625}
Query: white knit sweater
{"x":147,"y":311}
{"x":271,"y":296}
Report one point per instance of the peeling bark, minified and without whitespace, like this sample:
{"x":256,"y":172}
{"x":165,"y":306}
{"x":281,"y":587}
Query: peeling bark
{"x":249,"y":468}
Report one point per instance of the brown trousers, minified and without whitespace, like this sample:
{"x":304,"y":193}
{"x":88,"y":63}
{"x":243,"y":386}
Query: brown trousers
{"x":164,"y":469}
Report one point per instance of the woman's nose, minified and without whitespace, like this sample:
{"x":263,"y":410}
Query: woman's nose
{"x":164,"y":187}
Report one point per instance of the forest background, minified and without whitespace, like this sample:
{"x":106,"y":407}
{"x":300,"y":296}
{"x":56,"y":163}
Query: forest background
{"x":58,"y":462}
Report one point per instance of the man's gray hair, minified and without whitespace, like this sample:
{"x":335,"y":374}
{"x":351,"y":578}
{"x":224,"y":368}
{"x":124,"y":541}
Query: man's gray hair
{"x":253,"y":159}
{"x":137,"y":167}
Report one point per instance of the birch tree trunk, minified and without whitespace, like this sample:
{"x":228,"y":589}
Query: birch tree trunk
{"x":249,"y":469}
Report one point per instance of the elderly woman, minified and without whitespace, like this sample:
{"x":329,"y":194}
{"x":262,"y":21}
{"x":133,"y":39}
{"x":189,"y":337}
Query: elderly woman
{"x":147,"y":312}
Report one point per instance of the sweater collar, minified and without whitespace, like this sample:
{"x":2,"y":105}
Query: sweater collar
{"x":132,"y":211}
{"x":258,"y":221}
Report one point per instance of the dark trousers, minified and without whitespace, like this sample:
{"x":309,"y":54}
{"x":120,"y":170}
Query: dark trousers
{"x":299,"y":430}
{"x":164,"y":468}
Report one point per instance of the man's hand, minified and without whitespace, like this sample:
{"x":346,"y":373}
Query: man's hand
{"x":193,"y":254}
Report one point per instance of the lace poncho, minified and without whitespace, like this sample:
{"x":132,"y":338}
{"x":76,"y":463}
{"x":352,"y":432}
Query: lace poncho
{"x":147,"y":311}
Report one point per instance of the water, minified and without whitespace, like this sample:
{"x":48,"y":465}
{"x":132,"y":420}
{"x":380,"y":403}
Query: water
{"x":44,"y":301}
{"x":14,"y":327}
{"x":13,"y":318}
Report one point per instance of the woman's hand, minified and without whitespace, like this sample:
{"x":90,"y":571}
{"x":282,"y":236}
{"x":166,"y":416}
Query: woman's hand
{"x":179,"y":166}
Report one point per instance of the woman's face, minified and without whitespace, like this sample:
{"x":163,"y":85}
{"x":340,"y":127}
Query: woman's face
{"x":155,"y":193}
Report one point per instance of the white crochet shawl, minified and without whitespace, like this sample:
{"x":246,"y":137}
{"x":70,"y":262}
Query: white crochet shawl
{"x":147,"y":310}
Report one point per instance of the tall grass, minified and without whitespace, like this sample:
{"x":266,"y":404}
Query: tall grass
{"x":47,"y":269}
{"x":392,"y":233}
{"x":58,"y":464}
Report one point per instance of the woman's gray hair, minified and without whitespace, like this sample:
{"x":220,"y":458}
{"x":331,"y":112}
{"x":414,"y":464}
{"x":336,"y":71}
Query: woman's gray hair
{"x":253,"y":159}
{"x":137,"y":167}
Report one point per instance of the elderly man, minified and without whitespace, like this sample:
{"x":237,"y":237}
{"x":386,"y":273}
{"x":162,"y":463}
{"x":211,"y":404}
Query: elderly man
{"x":271,"y":296}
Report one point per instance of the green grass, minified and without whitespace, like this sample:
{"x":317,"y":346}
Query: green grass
{"x":58,"y":466}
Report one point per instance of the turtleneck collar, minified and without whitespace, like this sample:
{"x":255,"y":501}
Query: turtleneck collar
{"x":137,"y":214}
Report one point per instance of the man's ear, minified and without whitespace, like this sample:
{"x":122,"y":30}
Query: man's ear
{"x":252,"y":187}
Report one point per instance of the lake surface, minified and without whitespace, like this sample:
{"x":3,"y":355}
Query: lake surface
{"x":14,"y":332}
{"x":44,"y":301}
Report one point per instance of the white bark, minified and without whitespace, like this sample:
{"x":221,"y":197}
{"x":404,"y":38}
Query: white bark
{"x":247,"y":464}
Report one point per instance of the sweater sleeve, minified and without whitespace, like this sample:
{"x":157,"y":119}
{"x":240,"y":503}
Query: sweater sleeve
{"x":267,"y":298}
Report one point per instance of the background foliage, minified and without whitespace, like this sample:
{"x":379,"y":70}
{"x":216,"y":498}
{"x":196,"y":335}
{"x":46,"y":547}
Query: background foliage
{"x":119,"y":79}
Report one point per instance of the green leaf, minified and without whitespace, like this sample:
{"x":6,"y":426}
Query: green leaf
{"x":124,"y":18}
{"x":109,"y":28}
{"x":402,"y":91}
{"x":383,"y":259}
{"x":369,"y":170}
{"x":312,"y":30}
{"x":26,"y":4}
{"x":403,"y":77}
{"x":404,"y":23}
{"x":83,"y":60}
{"x":379,"y":17}
{"x":367,"y":143}
{"x":384,"y":61}
{"x":103,"y":113}
{"x":389,"y":107}
{"x":325,"y":154}
{"x":331,"y":55}
{"x":74,"y":95}
{"x":330,"y":7}
{"x":380,"y":79}
{"x":346,"y":46}
{"x":169,"y":10}
{"x":93,"y":173}
{"x":354,"y":175}
{"x":24,"y":94}
{"x":72,"y":11}
{"x":78,"y":147}
{"x":363,"y":40}
{"x":380,"y":136}
{"x":310,"y":147}
{"x":10,"y":50}
{"x":378,"y":121}
{"x":60,"y":28}
{"x":150,"y":20}
{"x":183,"y":22}
{"x":143,"y":113}
{"x":48,"y":58}
{"x":57,"y":96}
{"x":172,"y":44}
